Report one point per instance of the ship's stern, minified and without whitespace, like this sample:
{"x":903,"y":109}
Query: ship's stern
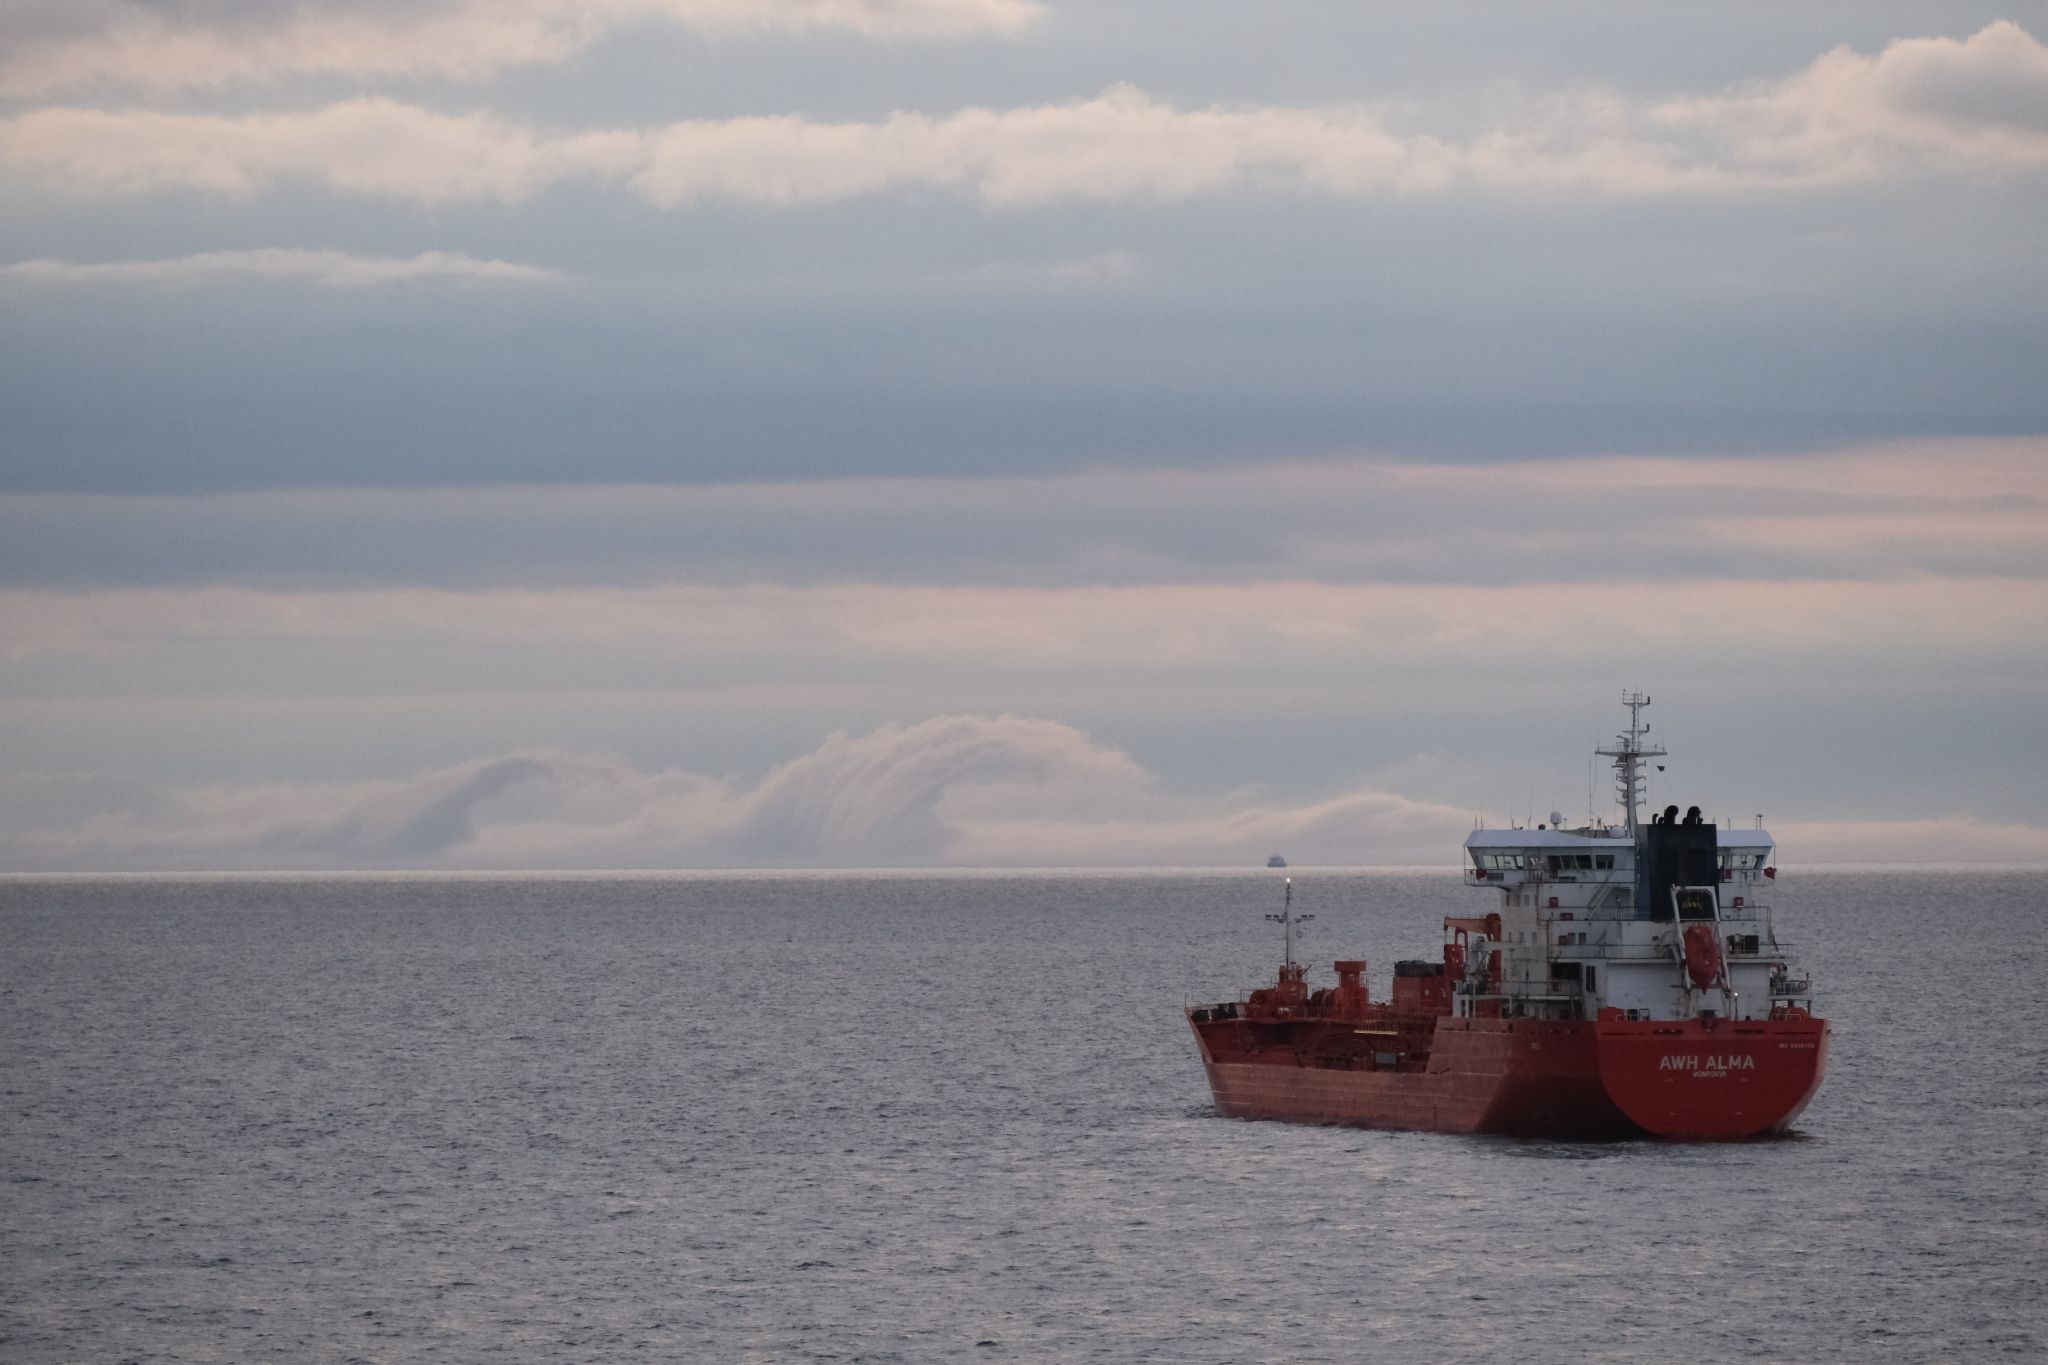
{"x":1712,"y":1079}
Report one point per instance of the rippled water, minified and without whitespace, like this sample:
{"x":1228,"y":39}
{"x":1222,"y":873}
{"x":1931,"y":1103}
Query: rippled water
{"x":899,"y":1118}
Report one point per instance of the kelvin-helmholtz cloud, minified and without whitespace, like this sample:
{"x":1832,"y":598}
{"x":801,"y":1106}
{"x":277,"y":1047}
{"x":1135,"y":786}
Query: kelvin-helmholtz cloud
{"x":1004,"y":790}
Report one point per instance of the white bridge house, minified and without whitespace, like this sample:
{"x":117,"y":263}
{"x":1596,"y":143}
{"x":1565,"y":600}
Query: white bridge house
{"x":1597,"y":917}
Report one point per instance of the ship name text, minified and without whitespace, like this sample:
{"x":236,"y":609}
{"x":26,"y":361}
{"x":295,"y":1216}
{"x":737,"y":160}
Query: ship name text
{"x":1709,"y":1062}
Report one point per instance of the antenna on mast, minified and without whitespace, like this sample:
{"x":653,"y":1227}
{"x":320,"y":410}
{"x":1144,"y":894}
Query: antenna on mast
{"x":1628,"y":751}
{"x":1287,"y":919}
{"x":1592,"y":816}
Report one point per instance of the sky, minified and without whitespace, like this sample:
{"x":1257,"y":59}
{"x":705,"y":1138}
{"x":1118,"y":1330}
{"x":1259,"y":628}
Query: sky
{"x":839,"y":433}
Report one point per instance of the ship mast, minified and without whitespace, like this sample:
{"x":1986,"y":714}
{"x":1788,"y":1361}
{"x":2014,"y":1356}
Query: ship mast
{"x":1628,"y":752}
{"x":1288,"y":919}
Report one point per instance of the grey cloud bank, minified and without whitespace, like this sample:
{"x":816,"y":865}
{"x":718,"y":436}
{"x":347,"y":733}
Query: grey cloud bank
{"x":1941,"y":508}
{"x":99,"y":42}
{"x":1533,"y":348}
{"x":1834,"y":249}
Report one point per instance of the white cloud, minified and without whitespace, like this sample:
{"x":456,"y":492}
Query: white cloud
{"x":1920,"y":106}
{"x":331,"y":269}
{"x":959,"y":790}
{"x":1921,"y":103}
{"x":138,"y":45}
{"x":372,"y":146}
{"x":1122,"y":144}
{"x":1352,"y":828}
{"x":878,"y":795}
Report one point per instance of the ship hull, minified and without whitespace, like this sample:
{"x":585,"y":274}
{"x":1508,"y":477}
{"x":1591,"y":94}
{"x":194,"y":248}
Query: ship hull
{"x":1566,"y":1080}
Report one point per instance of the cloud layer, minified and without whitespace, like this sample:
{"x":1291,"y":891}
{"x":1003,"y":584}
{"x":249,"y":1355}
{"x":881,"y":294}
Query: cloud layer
{"x":1931,"y":509}
{"x":126,"y":43}
{"x":1434,"y":627}
{"x":1920,"y":106}
{"x":975,"y":790}
{"x":330,"y":269}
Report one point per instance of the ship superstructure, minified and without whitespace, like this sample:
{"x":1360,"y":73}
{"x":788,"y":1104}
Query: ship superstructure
{"x":1668,"y":919}
{"x":1628,"y":979}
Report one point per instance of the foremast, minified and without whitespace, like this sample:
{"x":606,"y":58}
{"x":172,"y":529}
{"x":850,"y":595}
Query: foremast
{"x":1287,"y":919}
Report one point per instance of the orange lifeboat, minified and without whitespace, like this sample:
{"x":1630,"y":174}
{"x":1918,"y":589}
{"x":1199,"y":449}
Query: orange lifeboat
{"x":1702,"y":956}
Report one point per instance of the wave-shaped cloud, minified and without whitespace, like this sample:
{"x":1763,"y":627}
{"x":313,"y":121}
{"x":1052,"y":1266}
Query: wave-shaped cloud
{"x":879,"y":795}
{"x":1921,"y":105}
{"x":120,"y":42}
{"x":952,"y":790}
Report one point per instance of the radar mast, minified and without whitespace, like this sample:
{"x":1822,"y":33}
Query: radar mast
{"x":1628,"y":752}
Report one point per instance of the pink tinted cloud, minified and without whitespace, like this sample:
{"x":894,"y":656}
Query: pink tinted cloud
{"x":1921,"y":106}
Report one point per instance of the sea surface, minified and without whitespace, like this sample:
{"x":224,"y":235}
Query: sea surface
{"x":943,"y":1117}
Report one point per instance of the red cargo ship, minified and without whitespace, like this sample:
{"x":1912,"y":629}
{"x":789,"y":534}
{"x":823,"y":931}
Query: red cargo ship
{"x":1630,"y":984}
